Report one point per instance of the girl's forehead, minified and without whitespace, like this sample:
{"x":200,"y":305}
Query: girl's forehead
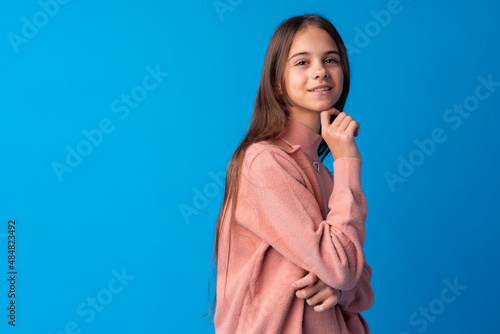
{"x":312,"y":38}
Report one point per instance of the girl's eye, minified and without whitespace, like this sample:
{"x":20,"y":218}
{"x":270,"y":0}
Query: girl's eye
{"x":331,"y":60}
{"x":302,"y":62}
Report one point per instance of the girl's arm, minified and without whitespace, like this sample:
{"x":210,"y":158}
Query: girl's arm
{"x":276,"y":202}
{"x":316,"y":293}
{"x":361,"y":298}
{"x":323,"y":297}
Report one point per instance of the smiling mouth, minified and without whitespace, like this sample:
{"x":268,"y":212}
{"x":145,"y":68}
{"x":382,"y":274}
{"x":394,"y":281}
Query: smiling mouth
{"x":322,"y":89}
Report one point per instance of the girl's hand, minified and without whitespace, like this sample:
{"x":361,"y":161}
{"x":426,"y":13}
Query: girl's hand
{"x":339,"y":135}
{"x":316,"y":292}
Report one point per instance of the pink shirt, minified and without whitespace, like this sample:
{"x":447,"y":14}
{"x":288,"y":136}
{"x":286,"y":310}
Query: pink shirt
{"x":292,"y":219}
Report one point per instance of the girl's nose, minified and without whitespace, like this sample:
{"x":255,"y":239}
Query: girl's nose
{"x":320,"y":72}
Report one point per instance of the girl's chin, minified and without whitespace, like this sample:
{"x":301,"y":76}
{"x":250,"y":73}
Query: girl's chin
{"x":322,"y":107}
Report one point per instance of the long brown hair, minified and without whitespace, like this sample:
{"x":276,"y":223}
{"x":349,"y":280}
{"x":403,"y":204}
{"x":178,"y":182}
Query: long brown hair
{"x":269,"y":113}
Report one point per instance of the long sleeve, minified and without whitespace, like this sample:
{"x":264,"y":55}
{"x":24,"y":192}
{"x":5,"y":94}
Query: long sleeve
{"x":361,"y":297}
{"x":292,"y":215}
{"x":279,"y":197}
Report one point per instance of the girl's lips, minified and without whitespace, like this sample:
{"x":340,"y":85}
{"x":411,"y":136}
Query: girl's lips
{"x":321,"y":91}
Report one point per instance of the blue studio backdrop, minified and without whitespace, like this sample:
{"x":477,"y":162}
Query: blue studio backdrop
{"x":118,"y":120}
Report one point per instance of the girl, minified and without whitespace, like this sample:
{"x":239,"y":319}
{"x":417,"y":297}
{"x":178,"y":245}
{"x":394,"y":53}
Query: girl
{"x":289,"y":236}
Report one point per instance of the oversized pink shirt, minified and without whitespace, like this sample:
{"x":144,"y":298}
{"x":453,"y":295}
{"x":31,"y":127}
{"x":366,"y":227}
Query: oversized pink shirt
{"x":291,"y":220}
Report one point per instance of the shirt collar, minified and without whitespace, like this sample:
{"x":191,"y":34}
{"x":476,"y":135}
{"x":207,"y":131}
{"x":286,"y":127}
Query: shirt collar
{"x":297,"y":134}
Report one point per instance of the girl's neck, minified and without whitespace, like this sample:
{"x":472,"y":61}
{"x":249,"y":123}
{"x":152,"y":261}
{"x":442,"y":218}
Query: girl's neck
{"x":311,"y":119}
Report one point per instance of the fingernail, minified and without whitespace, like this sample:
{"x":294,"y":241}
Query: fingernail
{"x":294,"y":285}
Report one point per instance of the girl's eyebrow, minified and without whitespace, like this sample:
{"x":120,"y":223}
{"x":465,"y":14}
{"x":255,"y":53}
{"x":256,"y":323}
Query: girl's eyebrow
{"x":305,"y":53}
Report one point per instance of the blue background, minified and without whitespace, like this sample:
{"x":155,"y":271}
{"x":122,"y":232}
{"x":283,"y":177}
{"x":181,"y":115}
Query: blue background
{"x":118,"y":212}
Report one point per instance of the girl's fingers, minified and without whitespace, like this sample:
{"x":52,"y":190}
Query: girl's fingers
{"x":316,"y":292}
{"x":356,"y":132}
{"x":339,"y":136}
{"x":325,"y":120}
{"x":344,"y":123}
{"x":326,"y":304}
{"x":309,"y":279}
{"x":332,"y":111}
{"x":325,"y":117}
{"x":320,"y":296}
{"x":353,"y":128}
{"x":310,"y":290}
{"x":339,"y":119}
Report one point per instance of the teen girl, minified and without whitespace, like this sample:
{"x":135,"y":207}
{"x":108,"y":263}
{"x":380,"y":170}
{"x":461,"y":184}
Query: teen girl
{"x":290,"y":235}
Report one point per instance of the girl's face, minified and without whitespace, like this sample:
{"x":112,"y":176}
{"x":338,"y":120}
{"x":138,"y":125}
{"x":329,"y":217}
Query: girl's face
{"x":313,"y":74}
